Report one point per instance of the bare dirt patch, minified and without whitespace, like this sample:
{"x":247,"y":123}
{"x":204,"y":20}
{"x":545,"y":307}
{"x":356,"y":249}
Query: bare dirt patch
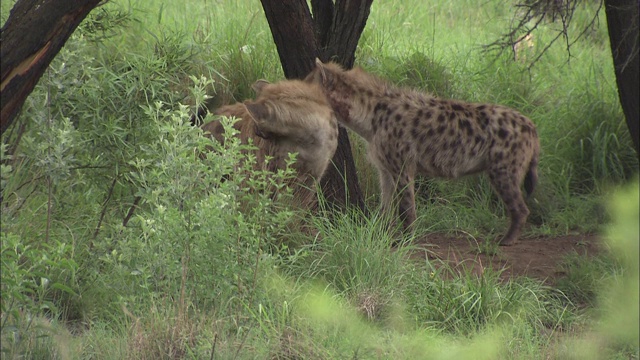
{"x":536,"y":257}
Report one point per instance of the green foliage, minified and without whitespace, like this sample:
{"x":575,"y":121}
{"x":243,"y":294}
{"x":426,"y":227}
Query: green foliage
{"x":586,"y":276}
{"x":616,"y":331}
{"x":116,"y":228}
{"x":351,"y":253}
{"x":33,"y":278}
{"x":108,"y":142}
{"x":466,"y":303}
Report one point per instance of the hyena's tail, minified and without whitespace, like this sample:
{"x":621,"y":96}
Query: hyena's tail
{"x":531,"y":178}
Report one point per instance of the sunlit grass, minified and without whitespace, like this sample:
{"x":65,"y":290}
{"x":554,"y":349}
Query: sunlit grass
{"x":185,"y":283}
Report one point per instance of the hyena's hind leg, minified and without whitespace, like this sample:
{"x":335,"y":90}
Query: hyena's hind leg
{"x":507,"y":185}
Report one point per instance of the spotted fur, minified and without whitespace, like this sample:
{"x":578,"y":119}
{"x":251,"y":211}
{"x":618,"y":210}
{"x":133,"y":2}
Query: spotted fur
{"x":413,"y":133}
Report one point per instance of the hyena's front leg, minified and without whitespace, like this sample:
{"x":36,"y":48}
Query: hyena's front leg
{"x":387,"y":191}
{"x":507,"y":185}
{"x":406,"y":201}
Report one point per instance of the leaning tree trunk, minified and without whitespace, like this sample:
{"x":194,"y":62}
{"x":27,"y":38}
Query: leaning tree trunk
{"x":332,"y":34}
{"x":622,"y":21}
{"x":33,"y":35}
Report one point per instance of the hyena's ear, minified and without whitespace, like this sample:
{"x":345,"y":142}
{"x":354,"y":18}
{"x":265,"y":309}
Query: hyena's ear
{"x":322,"y":70}
{"x":318,"y":75}
{"x":259,"y":111}
{"x":259,"y":85}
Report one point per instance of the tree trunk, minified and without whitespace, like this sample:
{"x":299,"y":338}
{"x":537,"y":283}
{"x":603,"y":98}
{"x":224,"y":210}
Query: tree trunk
{"x":332,"y":33}
{"x":622,"y":21}
{"x":33,"y":35}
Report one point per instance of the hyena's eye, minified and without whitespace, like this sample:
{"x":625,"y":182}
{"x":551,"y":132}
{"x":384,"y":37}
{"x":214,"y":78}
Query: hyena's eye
{"x":263,"y":134}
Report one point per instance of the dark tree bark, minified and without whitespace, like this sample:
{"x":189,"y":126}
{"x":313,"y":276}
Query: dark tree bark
{"x":622,"y":21}
{"x":293,"y":33}
{"x":331,"y":34}
{"x":33,"y":35}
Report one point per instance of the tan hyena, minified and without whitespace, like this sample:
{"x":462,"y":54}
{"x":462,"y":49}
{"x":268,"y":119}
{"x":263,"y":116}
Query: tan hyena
{"x":286,"y":117}
{"x":411,"y":133}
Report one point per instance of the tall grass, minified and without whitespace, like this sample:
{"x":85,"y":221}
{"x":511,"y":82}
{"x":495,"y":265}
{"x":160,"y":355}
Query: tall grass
{"x":119,"y":242}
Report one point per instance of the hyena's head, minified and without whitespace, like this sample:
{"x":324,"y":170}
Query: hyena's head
{"x":350,"y":92}
{"x":298,"y":118}
{"x":337,"y":86}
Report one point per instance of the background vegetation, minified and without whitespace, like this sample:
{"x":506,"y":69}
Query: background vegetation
{"x":119,"y":242}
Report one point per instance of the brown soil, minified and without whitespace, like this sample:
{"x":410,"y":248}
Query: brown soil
{"x":537,"y":257}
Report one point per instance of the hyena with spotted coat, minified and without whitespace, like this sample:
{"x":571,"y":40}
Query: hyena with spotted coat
{"x":411,"y":133}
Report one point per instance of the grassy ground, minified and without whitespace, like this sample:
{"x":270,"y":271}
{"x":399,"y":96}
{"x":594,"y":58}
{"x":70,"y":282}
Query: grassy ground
{"x":204,"y":269}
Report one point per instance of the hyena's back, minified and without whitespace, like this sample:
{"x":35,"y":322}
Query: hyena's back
{"x":450,"y":139}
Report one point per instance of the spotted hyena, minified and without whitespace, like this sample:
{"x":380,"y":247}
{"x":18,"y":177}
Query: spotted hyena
{"x":290,"y":116}
{"x":411,"y":133}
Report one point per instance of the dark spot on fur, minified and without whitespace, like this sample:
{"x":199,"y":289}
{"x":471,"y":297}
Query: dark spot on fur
{"x":466,"y":126}
{"x":428,"y":114}
{"x":478,"y":139}
{"x":452,"y":115}
{"x":457,"y":107}
{"x":420,"y":112}
{"x":441,"y":129}
{"x":483,"y":119}
{"x":441,"y":118}
{"x":502,"y":134}
{"x":430,"y":132}
{"x":482,"y":107}
{"x":406,"y":106}
{"x":379,"y":107}
{"x":416,"y":121}
{"x":398,"y":117}
{"x":451,"y":132}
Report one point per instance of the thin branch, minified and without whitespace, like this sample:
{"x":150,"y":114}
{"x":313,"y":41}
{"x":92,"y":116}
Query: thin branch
{"x":133,"y":207}
{"x":539,"y":11}
{"x":104,"y":206}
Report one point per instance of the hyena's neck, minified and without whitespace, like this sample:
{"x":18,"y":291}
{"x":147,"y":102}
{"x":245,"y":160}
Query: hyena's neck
{"x":358,"y":110}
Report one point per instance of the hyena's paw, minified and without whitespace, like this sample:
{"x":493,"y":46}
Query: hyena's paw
{"x":508,"y":241}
